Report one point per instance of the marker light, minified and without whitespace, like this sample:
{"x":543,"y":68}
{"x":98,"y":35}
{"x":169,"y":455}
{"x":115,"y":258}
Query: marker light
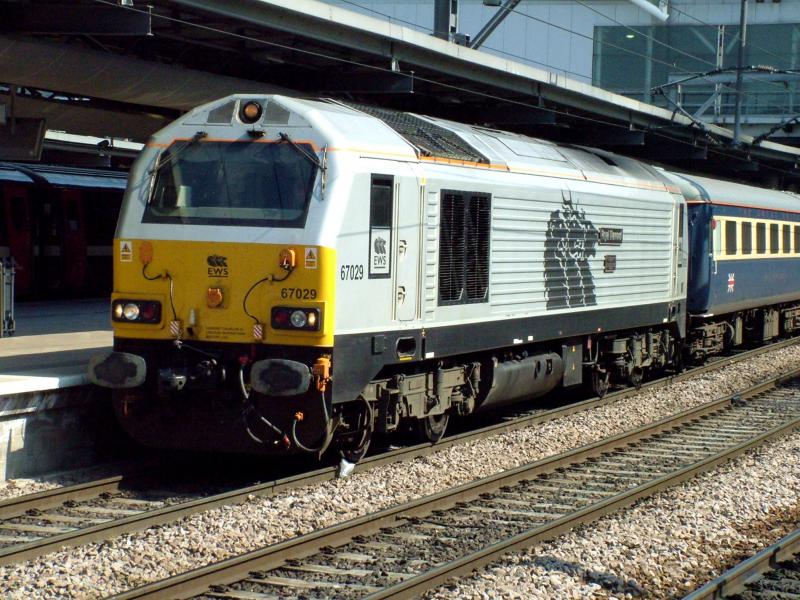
{"x":146,"y":253}
{"x":287,"y":259}
{"x":250,"y":112}
{"x":214,"y":297}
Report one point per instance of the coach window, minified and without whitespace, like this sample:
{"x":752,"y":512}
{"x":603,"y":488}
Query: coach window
{"x":747,"y":237}
{"x":774,"y":239}
{"x":761,"y":238}
{"x":787,"y":239}
{"x":380,"y":227}
{"x":716,"y":234}
{"x":796,"y":239}
{"x":730,"y":237}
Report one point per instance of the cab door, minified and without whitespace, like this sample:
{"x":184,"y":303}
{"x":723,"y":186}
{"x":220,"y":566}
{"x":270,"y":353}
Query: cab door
{"x":406,"y":246}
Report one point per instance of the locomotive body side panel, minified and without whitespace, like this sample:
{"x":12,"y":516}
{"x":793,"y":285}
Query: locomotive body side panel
{"x":565,"y":258}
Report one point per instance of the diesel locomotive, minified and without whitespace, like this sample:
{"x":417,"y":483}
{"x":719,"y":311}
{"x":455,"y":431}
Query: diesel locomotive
{"x":294,"y":275}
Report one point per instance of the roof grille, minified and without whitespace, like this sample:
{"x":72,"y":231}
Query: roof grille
{"x":430,"y":139}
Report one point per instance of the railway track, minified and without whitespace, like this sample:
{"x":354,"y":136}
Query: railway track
{"x":36,"y":524}
{"x":772,"y":574}
{"x":406,"y":550}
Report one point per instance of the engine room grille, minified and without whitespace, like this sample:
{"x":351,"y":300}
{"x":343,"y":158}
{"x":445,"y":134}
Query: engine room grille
{"x":464,"y":231}
{"x":477,"y":241}
{"x":430,"y":139}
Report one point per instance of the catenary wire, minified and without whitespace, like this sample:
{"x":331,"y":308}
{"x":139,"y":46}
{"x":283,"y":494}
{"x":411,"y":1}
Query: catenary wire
{"x":486,"y":46}
{"x":756,"y":46}
{"x":573,"y":32}
{"x":670,"y":46}
{"x":433,"y":82}
{"x":625,"y":50}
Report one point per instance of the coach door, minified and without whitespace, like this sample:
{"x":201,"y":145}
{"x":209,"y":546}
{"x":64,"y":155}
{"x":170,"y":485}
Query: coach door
{"x":407,"y":192}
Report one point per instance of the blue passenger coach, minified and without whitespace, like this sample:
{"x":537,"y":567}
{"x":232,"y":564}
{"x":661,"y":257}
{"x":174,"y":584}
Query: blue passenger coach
{"x":744,"y":264}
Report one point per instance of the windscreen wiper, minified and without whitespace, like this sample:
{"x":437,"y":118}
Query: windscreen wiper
{"x":309,"y":155}
{"x":172,"y":156}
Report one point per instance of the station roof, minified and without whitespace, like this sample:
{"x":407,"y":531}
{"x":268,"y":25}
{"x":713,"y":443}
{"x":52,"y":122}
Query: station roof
{"x":150,"y":64}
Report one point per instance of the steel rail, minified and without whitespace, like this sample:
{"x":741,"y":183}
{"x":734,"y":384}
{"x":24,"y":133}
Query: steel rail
{"x":197,"y":581}
{"x":19,"y":505}
{"x":43,"y":500}
{"x":734,"y":580}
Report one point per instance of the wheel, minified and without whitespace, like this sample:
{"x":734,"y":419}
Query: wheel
{"x":636,"y":377}
{"x":600,"y":382}
{"x":355,"y":449}
{"x":431,"y":429}
{"x":354,"y":455}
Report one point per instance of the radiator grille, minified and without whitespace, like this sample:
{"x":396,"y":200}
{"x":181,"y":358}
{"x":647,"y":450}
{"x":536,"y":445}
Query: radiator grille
{"x":477,"y":241}
{"x":431,"y":139}
{"x":464,"y":236}
{"x":451,"y":248}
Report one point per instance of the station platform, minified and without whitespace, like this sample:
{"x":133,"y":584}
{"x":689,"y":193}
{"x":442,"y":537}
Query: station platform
{"x":52,"y":344}
{"x":50,"y":419}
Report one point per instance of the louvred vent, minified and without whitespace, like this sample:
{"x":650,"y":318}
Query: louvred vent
{"x":477,"y":234}
{"x":464,"y":235}
{"x":451,"y":248}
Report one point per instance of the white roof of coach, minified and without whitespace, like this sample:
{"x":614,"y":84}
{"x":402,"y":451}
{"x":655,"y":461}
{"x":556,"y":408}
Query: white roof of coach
{"x":715,"y":191}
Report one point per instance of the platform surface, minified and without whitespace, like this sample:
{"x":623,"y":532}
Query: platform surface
{"x":52,"y":344}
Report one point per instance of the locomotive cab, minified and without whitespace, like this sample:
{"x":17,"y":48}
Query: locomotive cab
{"x":223,"y":282}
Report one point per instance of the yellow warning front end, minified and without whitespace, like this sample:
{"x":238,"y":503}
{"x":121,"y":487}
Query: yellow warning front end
{"x":223,"y":292}
{"x":222,"y":346}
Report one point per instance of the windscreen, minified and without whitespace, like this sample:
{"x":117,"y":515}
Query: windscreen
{"x":232,"y":183}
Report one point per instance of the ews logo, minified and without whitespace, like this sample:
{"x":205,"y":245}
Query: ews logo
{"x":217,"y":266}
{"x":379,"y":258}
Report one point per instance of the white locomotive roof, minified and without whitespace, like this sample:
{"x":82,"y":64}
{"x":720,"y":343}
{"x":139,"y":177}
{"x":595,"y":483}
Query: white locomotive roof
{"x":372,"y":131}
{"x":385,"y":133}
{"x":715,"y":191}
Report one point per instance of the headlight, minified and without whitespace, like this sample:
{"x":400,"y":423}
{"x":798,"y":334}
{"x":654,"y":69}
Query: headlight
{"x":298,"y":319}
{"x":302,"y":319}
{"x":131,"y":311}
{"x":250,"y":112}
{"x":136,"y":311}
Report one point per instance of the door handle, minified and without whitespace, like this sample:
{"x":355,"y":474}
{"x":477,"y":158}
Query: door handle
{"x":401,"y":294}
{"x":402,"y":246}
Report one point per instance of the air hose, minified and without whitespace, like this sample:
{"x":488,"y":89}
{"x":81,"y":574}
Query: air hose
{"x":328,"y":430}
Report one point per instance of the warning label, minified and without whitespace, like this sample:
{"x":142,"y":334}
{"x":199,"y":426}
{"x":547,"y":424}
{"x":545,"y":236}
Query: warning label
{"x":311,"y":258}
{"x":125,"y":251}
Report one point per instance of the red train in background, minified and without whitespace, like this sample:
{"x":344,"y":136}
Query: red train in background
{"x":58,"y":224}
